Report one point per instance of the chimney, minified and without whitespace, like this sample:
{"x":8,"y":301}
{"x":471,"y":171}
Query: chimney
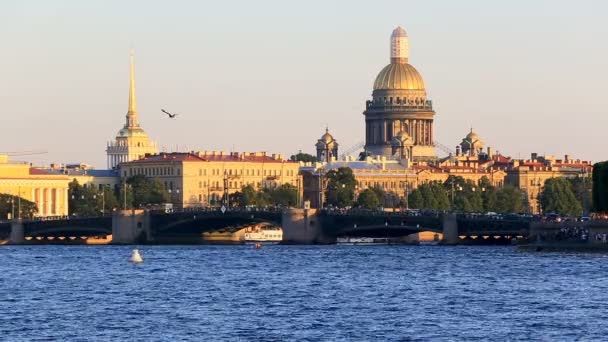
{"x":457,"y":150}
{"x":566,"y":159}
{"x":534,"y":156}
{"x":490,"y":152}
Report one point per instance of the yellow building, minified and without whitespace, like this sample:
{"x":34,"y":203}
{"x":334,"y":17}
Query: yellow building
{"x":394,"y":176}
{"x":203,"y":178}
{"x":47,"y":189}
{"x":530,"y":175}
{"x":132,"y":142}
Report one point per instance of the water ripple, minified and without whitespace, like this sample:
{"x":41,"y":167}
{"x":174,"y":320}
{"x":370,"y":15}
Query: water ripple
{"x":300,"y":293}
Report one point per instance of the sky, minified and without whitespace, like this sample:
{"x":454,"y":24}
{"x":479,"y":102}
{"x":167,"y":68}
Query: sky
{"x":528,"y":76}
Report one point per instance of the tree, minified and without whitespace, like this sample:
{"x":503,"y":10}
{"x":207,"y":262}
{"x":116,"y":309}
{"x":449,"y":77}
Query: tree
{"x":429,"y":196}
{"x":582,"y":188}
{"x":557,"y":197}
{"x":88,"y":201}
{"x":341,"y":187}
{"x":368,"y":199}
{"x":147,"y":191}
{"x":248,"y":196}
{"x":509,"y":199}
{"x":465,"y":193}
{"x":380,"y":194}
{"x":82,"y":200}
{"x":284,"y":195}
{"x":9,"y":204}
{"x":600,"y":187}
{"x":303,"y":157}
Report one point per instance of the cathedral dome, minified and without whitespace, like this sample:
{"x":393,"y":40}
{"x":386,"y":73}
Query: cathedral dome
{"x":327,"y":137}
{"x":399,"y":76}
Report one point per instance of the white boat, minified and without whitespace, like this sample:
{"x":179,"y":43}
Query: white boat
{"x":273,"y":235}
{"x":352,"y":241}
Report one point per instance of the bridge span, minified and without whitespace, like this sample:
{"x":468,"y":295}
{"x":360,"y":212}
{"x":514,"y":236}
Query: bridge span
{"x":300,"y":226}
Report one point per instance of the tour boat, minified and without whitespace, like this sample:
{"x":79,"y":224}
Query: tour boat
{"x":264,"y":235}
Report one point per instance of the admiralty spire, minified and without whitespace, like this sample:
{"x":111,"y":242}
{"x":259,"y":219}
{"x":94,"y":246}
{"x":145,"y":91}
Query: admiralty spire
{"x":132,"y":142}
{"x":399,"y":118}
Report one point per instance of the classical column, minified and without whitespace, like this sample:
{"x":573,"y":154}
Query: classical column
{"x":66,"y":202}
{"x":384,"y":131}
{"x":55,"y":197}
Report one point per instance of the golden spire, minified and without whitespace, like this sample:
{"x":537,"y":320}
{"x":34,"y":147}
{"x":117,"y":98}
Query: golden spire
{"x":132,"y":102}
{"x":132,"y":113}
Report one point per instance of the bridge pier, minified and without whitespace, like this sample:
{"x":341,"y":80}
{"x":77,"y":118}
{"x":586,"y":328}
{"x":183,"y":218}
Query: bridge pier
{"x":17,"y":236}
{"x":130,"y":226}
{"x":449,"y":224}
{"x":303,"y":226}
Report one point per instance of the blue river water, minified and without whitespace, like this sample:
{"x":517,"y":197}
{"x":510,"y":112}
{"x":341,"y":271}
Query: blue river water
{"x":300,"y":293}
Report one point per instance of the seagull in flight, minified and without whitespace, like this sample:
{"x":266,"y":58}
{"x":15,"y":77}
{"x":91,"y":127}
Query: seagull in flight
{"x":170,"y":115}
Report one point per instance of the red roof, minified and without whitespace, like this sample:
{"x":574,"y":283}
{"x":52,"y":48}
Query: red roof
{"x":34,"y":171}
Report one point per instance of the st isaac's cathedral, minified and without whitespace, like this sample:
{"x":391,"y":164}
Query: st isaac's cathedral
{"x":399,"y":118}
{"x":399,"y":151}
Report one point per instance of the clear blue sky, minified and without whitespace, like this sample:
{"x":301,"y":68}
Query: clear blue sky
{"x":529,"y":76}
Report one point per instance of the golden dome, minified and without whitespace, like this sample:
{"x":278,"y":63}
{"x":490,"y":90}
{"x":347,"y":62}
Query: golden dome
{"x":472,"y":136}
{"x":327,"y":137}
{"x":399,"y":76}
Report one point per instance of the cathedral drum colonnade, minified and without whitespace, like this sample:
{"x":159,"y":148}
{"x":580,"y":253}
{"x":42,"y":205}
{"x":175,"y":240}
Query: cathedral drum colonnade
{"x":399,"y":118}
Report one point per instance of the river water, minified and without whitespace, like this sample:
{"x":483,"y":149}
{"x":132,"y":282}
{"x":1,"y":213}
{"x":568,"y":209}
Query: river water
{"x":300,"y":293}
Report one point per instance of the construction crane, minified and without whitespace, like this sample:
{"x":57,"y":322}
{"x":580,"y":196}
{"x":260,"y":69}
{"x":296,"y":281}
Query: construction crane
{"x":448,"y":151}
{"x":352,"y":149}
{"x":23,"y":153}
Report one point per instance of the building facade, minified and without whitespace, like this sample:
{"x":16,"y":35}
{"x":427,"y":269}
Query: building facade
{"x":204,"y":178}
{"x":399,"y":118}
{"x":49,"y":191}
{"x":132,"y":142}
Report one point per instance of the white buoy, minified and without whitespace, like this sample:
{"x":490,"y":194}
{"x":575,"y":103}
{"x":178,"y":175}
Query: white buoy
{"x":136,"y":257}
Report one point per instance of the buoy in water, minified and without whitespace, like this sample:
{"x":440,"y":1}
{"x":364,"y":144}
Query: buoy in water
{"x":136,"y":257}
{"x":258,"y":245}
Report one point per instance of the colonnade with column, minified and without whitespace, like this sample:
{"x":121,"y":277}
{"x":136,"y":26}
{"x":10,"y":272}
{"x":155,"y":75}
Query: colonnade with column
{"x":51,"y":201}
{"x":382,"y":131}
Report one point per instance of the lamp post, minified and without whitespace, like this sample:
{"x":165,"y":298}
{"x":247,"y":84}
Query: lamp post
{"x":406,"y":193}
{"x":174,"y":195}
{"x":103,"y":201}
{"x":124,"y":196}
{"x":584,"y":192}
{"x":459,"y":188}
{"x":321,"y":178}
{"x":11,"y":200}
{"x":19,"y":204}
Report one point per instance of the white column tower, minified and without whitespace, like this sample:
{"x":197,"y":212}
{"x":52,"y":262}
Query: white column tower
{"x":399,"y":46}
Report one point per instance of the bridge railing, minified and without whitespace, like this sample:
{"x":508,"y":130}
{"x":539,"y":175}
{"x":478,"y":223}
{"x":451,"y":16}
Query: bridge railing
{"x":371,"y":212}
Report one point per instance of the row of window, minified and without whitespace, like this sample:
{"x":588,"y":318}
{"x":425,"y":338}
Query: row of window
{"x":153,"y":171}
{"x":246,"y":172}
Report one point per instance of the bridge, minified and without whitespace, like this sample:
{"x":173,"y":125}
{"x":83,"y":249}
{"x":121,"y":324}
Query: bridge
{"x":300,"y":226}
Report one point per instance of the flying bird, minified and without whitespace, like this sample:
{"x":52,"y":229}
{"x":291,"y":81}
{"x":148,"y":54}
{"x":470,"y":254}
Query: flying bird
{"x":170,"y":115}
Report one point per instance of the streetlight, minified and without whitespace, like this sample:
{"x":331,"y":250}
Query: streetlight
{"x":406,"y":194}
{"x":11,"y":200}
{"x":171,"y":193}
{"x":322,"y":186}
{"x":584,"y":192}
{"x":459,"y":188}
